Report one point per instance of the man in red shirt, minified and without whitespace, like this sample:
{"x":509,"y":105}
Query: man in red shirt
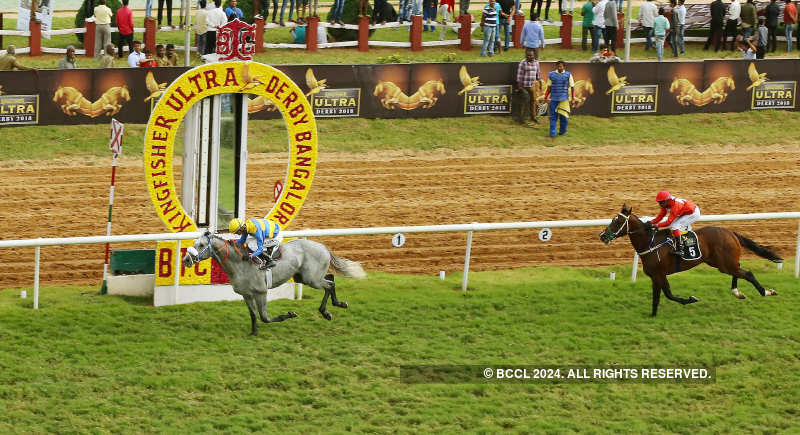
{"x":789,"y":18}
{"x":682,"y":214}
{"x":125,"y":26}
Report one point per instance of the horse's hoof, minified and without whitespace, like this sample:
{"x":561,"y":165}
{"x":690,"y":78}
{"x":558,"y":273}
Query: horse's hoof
{"x":693,"y":299}
{"x":254,"y":333}
{"x":343,"y":304}
{"x":327,"y":315}
{"x":291,"y":314}
{"x":771,"y":292}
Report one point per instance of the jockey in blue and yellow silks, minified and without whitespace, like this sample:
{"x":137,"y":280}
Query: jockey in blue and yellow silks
{"x":267,"y":234}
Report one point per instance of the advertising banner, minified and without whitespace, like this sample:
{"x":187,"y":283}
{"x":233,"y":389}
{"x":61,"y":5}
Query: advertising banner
{"x":87,"y":96}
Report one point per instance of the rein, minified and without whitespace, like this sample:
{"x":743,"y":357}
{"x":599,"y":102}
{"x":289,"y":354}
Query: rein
{"x":651,"y":247}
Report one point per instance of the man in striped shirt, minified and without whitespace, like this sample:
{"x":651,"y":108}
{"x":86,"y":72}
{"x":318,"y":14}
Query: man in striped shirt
{"x":527,"y":75}
{"x":489,"y":24}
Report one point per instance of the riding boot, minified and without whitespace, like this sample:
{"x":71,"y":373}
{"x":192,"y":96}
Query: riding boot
{"x":678,"y":245}
{"x":268,"y":262}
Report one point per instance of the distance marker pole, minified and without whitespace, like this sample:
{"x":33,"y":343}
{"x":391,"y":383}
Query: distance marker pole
{"x":115,"y":145}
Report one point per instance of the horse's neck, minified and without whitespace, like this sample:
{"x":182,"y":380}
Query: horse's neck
{"x":639,"y":239}
{"x":226,"y":256}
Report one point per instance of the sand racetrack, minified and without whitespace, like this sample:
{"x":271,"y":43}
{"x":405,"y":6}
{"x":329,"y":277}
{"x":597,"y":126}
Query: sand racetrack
{"x":62,"y":198}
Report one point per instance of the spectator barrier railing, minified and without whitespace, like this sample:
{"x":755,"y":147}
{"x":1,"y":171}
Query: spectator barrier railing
{"x":468,"y":228}
{"x":415,"y":34}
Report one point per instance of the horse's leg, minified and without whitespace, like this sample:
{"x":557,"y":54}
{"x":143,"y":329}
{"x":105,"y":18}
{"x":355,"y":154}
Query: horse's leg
{"x":746,"y":274}
{"x":735,"y":289}
{"x":261,"y":301}
{"x":656,"y":295}
{"x":251,"y":306}
{"x":322,"y":309}
{"x":334,"y":299}
{"x":682,"y":301}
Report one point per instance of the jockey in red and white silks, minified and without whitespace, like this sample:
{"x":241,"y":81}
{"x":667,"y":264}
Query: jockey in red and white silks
{"x":682,"y":214}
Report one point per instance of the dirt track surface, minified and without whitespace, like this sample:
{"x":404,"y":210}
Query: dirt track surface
{"x":70,"y":198}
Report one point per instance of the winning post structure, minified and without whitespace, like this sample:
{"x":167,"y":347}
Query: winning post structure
{"x":212,"y":100}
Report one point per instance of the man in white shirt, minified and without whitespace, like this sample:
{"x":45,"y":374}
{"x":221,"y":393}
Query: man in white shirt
{"x":681,"y":11}
{"x":647,"y":13}
{"x":734,"y":10}
{"x":136,"y":55}
{"x":599,"y":23}
{"x":216,"y":18}
{"x":102,"y":21}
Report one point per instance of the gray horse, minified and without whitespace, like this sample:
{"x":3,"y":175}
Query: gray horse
{"x":304,"y":260}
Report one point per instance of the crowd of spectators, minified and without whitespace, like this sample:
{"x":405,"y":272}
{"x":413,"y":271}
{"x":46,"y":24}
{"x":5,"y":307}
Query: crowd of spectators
{"x":752,"y":32}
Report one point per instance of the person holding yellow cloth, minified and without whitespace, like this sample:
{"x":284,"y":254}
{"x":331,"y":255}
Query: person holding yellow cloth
{"x":559,"y":94}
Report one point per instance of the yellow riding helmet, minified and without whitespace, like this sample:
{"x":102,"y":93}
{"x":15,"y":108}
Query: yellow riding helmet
{"x":234,"y":225}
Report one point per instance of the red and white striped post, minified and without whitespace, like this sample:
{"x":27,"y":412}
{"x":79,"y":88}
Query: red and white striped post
{"x":115,"y":145}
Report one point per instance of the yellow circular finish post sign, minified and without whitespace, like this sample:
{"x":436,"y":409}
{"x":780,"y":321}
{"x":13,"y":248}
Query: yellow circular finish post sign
{"x":162,"y":128}
{"x":226,"y":78}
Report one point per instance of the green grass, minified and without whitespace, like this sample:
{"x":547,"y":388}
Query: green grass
{"x":362,"y":135}
{"x":353,"y":56}
{"x":90,"y":363}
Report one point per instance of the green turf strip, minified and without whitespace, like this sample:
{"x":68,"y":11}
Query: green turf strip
{"x":89,"y":363}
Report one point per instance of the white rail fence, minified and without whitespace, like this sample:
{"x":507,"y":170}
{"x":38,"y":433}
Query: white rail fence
{"x":468,"y":228}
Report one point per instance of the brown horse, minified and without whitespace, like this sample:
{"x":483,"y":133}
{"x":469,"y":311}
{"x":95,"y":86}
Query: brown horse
{"x":721,"y":249}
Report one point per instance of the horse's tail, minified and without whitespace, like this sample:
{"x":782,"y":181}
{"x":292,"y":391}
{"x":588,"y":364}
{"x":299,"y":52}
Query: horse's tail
{"x":762,"y":251}
{"x":350,"y":268}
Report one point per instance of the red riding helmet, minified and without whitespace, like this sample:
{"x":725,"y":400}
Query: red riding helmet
{"x":663,"y":196}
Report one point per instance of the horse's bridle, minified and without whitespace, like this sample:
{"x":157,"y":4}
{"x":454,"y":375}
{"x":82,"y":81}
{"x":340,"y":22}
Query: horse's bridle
{"x":196,"y":258}
{"x":619,"y":230}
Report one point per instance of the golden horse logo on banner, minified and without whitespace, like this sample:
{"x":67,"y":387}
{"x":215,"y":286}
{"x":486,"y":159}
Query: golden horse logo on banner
{"x":72,"y":102}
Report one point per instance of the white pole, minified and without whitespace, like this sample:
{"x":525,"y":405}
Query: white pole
{"x":635,"y":266}
{"x":177,"y":271}
{"x":187,"y":37}
{"x":466,"y":261}
{"x":628,"y":31}
{"x":36,"y":281}
{"x":300,"y":288}
{"x":797,"y":253}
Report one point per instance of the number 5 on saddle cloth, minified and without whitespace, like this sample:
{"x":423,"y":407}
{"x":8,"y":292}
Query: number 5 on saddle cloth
{"x":691,"y":247}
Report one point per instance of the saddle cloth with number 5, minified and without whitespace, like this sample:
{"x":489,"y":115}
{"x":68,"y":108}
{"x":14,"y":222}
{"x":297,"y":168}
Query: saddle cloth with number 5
{"x":691,"y":246}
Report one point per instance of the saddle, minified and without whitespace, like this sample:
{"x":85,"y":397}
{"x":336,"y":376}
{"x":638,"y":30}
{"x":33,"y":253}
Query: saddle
{"x":691,"y":246}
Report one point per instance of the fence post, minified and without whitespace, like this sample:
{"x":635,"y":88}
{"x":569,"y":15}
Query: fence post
{"x":1,"y":28}
{"x":363,"y":34}
{"x":416,"y":33}
{"x":620,"y":31}
{"x":635,"y":266}
{"x":260,"y":35}
{"x":36,"y":279}
{"x":35,"y":39}
{"x":177,"y":269}
{"x":797,"y":253}
{"x":566,"y":31}
{"x":312,"y":30}
{"x":88,"y":38}
{"x":150,"y":28}
{"x":519,"y":22}
{"x":465,"y":31}
{"x":466,"y":261}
